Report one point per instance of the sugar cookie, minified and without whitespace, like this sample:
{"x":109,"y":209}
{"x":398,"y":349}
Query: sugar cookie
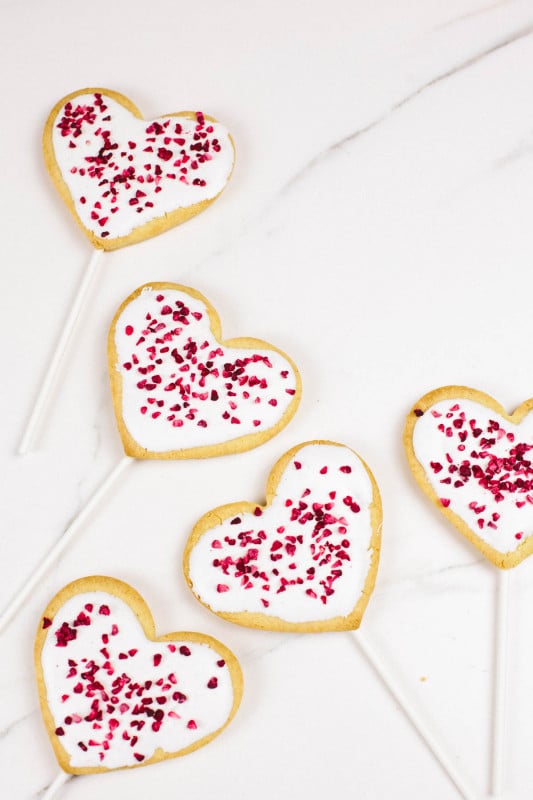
{"x":125,"y":178}
{"x":113,"y":694}
{"x":179,"y":391}
{"x":474,"y":461}
{"x":305,"y":561}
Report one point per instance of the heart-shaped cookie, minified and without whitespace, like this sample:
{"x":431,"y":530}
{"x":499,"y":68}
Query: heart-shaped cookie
{"x":475,"y":462}
{"x":113,"y":695}
{"x":307,"y":560}
{"x":125,"y":178}
{"x":179,"y":391}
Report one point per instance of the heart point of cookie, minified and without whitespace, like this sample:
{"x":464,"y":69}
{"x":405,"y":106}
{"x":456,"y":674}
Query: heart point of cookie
{"x":305,"y":561}
{"x":475,"y":462}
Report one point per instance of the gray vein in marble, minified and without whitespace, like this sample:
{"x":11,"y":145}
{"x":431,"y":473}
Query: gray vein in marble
{"x":338,"y":146}
{"x":220,"y":251}
{"x":259,"y":652}
{"x":43,"y":789}
{"x":523,"y":149}
{"x":477,"y":12}
{"x":102,"y":406}
{"x":351,"y":137}
{"x":16,"y":722}
{"x":429,"y":575}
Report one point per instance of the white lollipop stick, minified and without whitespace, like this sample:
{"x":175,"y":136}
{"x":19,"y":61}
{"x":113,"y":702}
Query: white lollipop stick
{"x":62,"y":542}
{"x":414,"y":718}
{"x":56,"y":784}
{"x":59,"y":354}
{"x":500,"y":683}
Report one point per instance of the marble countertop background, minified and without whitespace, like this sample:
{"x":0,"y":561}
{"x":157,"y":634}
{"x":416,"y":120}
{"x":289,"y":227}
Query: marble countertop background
{"x":378,"y":229}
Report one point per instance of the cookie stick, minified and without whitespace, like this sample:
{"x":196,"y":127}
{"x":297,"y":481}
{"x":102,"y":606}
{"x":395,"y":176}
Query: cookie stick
{"x":61,"y":349}
{"x":456,"y":429}
{"x":500,"y":683}
{"x":59,"y":781}
{"x":414,"y":717}
{"x":416,"y":720}
{"x":180,"y":391}
{"x":64,"y":540}
{"x":124,"y":180}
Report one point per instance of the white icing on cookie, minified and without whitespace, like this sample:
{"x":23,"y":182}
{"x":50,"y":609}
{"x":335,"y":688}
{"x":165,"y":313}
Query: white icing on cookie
{"x":304,"y":557}
{"x":181,"y":388}
{"x":480,"y":466}
{"x":117,"y":697}
{"x":123,"y":172}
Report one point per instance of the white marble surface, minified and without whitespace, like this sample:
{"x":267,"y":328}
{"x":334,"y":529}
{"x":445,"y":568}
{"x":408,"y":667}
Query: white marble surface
{"x":378,"y":228}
